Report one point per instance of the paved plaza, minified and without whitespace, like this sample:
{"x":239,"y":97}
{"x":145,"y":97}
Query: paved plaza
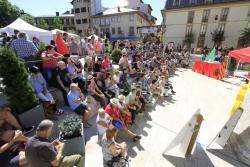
{"x":161,"y":123}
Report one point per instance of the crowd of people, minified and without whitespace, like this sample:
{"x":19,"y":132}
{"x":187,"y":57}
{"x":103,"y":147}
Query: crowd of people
{"x":81,"y":70}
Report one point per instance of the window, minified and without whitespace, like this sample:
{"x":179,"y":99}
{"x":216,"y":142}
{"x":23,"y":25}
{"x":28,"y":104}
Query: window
{"x":88,"y":9}
{"x":103,"y":21}
{"x":113,"y":19}
{"x":248,"y":24}
{"x":77,"y":10}
{"x":83,"y":9}
{"x":131,"y":31}
{"x":72,"y":21}
{"x":189,"y":30}
{"x":192,"y":1}
{"x":113,"y":30}
{"x":203,"y":29}
{"x":131,"y":17}
{"x":176,"y":3}
{"x":97,"y":21}
{"x":248,"y":14}
{"x":221,"y":27}
{"x":205,"y":15}
{"x":119,"y":30}
{"x":84,"y":21}
{"x":190,"y":16}
{"x":118,"y":19}
{"x":224,"y":14}
{"x":78,"y":21}
{"x":67,"y":22}
{"x":107,"y":21}
{"x":208,"y":1}
{"x":96,"y":31}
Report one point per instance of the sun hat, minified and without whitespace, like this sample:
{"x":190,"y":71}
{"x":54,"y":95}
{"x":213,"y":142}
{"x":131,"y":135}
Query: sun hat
{"x":114,"y":101}
{"x":73,"y":85}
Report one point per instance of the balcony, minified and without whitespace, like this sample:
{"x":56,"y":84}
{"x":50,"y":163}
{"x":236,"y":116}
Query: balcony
{"x":104,"y":25}
{"x":223,"y":18}
{"x":190,"y":20}
{"x":204,"y":20}
{"x":202,"y":35}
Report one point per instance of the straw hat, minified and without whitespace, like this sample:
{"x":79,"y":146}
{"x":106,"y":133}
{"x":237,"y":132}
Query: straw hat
{"x":121,"y":97}
{"x":114,"y":101}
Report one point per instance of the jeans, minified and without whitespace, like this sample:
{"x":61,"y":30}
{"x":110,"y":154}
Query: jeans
{"x":45,"y":97}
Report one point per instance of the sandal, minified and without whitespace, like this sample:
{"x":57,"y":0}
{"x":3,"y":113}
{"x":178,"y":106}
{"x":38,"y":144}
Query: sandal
{"x":59,"y":112}
{"x":136,"y":138}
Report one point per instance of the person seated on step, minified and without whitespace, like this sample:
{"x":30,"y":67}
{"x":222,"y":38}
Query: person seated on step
{"x":63,"y":79}
{"x":95,"y":92}
{"x":106,"y":64}
{"x":114,"y":111}
{"x":75,"y":71}
{"x":114,"y":154}
{"x":12,"y":139}
{"x":41,"y":152}
{"x":124,"y":110}
{"x":132,"y":104}
{"x":77,"y":103}
{"x":40,"y":86}
{"x":111,"y":85}
{"x":102,"y":121}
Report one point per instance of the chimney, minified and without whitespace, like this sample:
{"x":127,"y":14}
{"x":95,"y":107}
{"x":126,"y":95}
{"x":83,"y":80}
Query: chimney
{"x":119,"y":9}
{"x":57,"y":14}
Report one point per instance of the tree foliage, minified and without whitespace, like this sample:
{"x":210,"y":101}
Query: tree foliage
{"x":57,"y":22}
{"x":116,"y":55}
{"x":43,"y":24}
{"x":245,"y":37}
{"x":29,"y":19}
{"x":15,"y":79}
{"x":8,"y":13}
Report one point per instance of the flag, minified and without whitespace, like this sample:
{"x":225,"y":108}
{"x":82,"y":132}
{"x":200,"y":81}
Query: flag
{"x":211,"y":55}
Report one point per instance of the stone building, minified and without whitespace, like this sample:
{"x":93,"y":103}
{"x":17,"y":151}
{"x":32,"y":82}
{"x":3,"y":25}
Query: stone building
{"x":192,"y":21}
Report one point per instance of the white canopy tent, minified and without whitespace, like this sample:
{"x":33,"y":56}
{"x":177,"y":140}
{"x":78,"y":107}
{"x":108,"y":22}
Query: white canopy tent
{"x":30,"y":30}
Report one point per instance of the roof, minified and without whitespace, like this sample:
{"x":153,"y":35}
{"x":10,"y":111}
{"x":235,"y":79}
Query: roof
{"x":112,"y":11}
{"x":52,"y":16}
{"x":185,"y":3}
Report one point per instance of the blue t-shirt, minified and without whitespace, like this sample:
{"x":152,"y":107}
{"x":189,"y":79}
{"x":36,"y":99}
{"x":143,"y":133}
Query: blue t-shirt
{"x":71,"y":97}
{"x":38,"y":83}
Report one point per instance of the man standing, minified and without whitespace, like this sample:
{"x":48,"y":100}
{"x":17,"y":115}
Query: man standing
{"x":40,"y":152}
{"x":24,"y":48}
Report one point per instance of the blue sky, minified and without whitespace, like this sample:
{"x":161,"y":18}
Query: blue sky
{"x":46,"y":7}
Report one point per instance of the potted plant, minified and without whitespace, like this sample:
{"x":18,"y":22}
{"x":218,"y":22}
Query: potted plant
{"x":21,"y":96}
{"x":116,"y":55}
{"x":71,"y":132}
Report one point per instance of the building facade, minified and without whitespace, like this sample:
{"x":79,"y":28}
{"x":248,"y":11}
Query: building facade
{"x":67,"y":18}
{"x":194,"y":21}
{"x":120,"y":23}
{"x":89,"y":16}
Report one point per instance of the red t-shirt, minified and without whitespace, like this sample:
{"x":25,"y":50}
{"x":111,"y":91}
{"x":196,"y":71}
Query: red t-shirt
{"x":113,"y":112}
{"x":51,"y":63}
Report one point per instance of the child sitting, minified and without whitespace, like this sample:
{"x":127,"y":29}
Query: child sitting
{"x":102,"y":121}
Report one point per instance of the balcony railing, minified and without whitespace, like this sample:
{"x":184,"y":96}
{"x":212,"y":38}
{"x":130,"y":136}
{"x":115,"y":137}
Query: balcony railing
{"x":202,"y":35}
{"x":131,"y":34}
{"x":223,"y":18}
{"x":104,"y":25}
{"x":204,"y":19}
{"x":190,"y":20}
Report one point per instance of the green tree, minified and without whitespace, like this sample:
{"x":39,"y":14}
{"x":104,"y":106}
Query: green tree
{"x":43,"y":24}
{"x":29,"y":19}
{"x":245,"y":37}
{"x":57,"y":22}
{"x":15,"y":79}
{"x":8,"y":13}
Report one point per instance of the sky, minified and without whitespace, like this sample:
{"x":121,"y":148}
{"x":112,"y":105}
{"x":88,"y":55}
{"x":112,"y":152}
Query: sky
{"x":49,"y":7}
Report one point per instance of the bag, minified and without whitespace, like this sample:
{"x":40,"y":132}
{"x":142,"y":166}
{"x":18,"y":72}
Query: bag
{"x":117,"y":124}
{"x":118,"y":162}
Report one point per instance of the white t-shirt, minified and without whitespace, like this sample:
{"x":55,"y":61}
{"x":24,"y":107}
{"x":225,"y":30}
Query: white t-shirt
{"x":101,"y":130}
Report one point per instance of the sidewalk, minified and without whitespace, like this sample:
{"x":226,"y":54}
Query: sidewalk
{"x":160,"y":125}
